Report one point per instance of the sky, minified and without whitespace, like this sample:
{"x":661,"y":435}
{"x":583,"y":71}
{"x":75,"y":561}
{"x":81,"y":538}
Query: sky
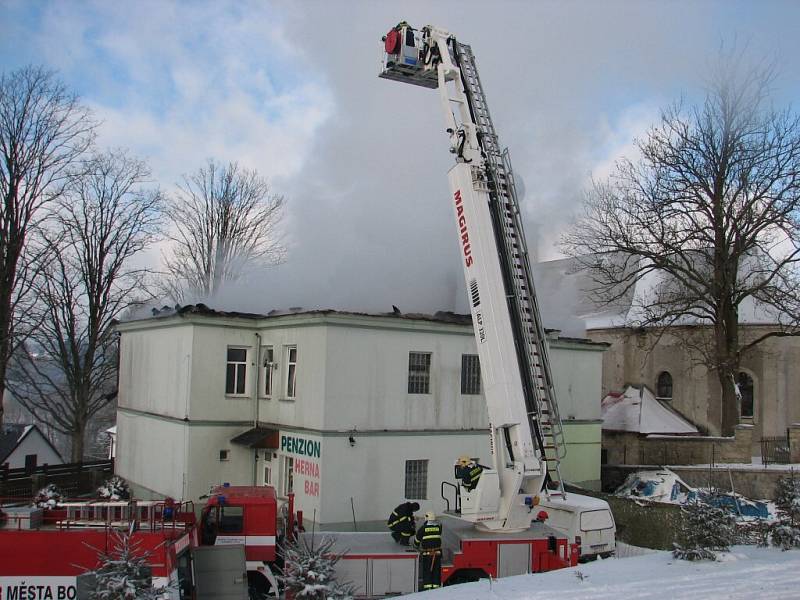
{"x":291,"y":89}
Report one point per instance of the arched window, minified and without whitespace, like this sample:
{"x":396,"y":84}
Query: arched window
{"x":747,"y":399}
{"x":664,"y":386}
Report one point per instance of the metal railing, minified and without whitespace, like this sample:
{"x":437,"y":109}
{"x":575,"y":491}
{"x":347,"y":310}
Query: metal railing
{"x":776,"y":449}
{"x":7,"y":474}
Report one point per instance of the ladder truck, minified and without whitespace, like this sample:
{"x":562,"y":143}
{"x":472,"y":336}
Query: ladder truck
{"x":527,"y":437}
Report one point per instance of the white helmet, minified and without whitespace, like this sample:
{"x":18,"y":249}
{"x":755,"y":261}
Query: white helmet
{"x":430,"y":516}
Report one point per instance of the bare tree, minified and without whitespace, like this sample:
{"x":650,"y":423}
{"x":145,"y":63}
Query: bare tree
{"x":225,"y":219}
{"x":66,"y":371}
{"x":710,"y":209}
{"x":43,"y":131}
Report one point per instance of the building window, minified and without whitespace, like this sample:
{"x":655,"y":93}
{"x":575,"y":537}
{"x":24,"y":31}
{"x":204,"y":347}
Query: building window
{"x":291,"y":371}
{"x":268,"y":475}
{"x":419,"y":372}
{"x":287,"y":481}
{"x":470,"y":374}
{"x":269,"y":365}
{"x":236,"y":374}
{"x":224,"y":454}
{"x":417,"y":479}
{"x":664,"y":386}
{"x":746,"y":396}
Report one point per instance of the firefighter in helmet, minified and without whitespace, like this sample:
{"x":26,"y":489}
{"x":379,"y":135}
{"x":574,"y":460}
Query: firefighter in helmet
{"x":401,"y":522}
{"x":468,"y":472}
{"x":429,"y":543}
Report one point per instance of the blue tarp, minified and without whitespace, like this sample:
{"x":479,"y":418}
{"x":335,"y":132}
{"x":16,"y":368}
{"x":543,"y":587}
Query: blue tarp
{"x":733,"y":504}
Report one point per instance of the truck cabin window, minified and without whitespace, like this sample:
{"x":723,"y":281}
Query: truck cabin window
{"x":231,"y":519}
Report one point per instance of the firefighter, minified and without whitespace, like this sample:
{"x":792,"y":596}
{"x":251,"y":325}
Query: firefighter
{"x":468,"y":472}
{"x":401,"y":522}
{"x":429,"y":543}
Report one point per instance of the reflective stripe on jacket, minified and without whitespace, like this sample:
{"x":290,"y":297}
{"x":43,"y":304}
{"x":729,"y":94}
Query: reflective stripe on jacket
{"x":429,"y":536}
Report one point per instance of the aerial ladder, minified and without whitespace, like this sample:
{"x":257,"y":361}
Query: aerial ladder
{"x":526,"y":434}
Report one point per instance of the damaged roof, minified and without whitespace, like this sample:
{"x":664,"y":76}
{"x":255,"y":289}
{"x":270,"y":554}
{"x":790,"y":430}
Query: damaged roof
{"x":442,"y":316}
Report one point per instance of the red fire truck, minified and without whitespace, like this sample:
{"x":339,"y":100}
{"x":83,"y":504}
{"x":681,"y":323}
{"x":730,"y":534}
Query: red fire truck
{"x":43,"y":551}
{"x":232,"y":549}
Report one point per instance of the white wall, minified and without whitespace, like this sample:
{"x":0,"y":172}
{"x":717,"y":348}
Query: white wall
{"x":352,"y":376}
{"x":578,"y":373}
{"x":367,"y":378}
{"x":33,"y":443}
{"x":306,"y":409}
{"x":154,"y":369}
{"x":151,"y":453}
{"x":372,"y":472}
{"x":206,"y":469}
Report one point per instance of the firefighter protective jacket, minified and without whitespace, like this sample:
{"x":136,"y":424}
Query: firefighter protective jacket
{"x":469,"y":475}
{"x":429,"y":536}
{"x":402,"y":519}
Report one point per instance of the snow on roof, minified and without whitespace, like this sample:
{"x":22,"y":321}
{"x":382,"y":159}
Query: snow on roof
{"x":637,"y":410}
{"x":565,"y":296}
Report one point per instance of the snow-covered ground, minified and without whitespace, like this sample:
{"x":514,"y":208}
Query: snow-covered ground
{"x":745,"y":573}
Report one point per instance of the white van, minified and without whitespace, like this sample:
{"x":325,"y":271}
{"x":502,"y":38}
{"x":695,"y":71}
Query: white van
{"x":587,"y":521}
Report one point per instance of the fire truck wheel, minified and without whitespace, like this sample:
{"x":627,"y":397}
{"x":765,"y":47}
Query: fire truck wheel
{"x":466,"y":576}
{"x":258,"y":587}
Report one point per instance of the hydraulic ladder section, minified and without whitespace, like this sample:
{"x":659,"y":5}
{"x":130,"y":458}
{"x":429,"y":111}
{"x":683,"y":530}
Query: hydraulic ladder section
{"x":530,"y":338}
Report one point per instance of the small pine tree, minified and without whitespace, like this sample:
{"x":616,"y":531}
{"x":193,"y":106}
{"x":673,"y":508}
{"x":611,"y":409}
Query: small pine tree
{"x":706,"y":529}
{"x":115,"y":488}
{"x":785,"y":532}
{"x":123,"y":572}
{"x":309,"y":571}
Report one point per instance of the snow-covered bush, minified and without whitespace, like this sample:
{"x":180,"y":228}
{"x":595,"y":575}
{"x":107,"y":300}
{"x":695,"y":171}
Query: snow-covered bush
{"x":785,"y":532}
{"x":706,"y":529}
{"x":116,"y":488}
{"x":308,"y":571}
{"x":48,"y":497}
{"x":124,"y":573}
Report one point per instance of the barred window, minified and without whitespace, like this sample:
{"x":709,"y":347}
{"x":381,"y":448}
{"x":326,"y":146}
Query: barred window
{"x":664,"y":386}
{"x":236,"y":372}
{"x":470,"y":374}
{"x":417,"y":479}
{"x":419,"y":372}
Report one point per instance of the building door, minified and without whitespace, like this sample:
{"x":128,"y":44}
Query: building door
{"x":30,"y":462}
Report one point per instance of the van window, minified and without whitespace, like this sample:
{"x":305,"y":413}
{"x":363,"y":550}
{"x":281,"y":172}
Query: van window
{"x":592,"y":520}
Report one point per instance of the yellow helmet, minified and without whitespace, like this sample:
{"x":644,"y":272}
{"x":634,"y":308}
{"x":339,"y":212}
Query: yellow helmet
{"x":430,"y":516}
{"x":464,"y":460}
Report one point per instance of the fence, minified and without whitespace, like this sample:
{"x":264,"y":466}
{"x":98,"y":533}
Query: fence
{"x":776,"y":449}
{"x":73,"y":479}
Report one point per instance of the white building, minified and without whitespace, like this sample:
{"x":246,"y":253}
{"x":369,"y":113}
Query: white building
{"x":352,"y":412}
{"x":26,"y":446}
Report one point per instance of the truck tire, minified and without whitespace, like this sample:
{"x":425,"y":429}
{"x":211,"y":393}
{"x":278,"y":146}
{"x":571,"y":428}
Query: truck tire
{"x":466,"y":576}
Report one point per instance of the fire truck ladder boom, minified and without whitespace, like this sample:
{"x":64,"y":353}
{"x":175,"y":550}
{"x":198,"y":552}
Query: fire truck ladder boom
{"x":527,"y":438}
{"x":529,"y":333}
